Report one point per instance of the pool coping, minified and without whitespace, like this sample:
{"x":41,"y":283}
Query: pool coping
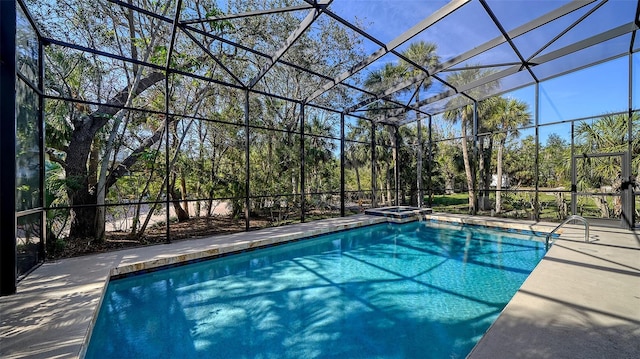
{"x":236,"y":247}
{"x":212,"y":253}
{"x":55,"y":308}
{"x":141,"y":267}
{"x":493,"y":222}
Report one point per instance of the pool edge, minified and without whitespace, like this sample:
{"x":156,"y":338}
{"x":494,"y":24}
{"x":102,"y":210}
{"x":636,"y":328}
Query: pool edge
{"x":239,"y":246}
{"x":50,"y":307}
{"x":222,"y":250}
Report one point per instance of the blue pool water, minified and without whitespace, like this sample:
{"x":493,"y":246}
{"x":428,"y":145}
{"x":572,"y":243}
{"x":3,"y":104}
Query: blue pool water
{"x":413,"y":290}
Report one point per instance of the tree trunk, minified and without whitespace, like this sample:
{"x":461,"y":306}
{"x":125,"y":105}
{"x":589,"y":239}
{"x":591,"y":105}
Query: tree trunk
{"x":602,"y":205}
{"x":388,"y":184}
{"x":468,"y":170}
{"x":77,"y":182}
{"x":499,"y":175}
{"x":136,"y":229}
{"x":180,"y":212}
{"x":419,"y":164}
{"x":482,"y":196}
{"x":484,"y":168}
{"x":101,"y":191}
{"x":82,"y":196}
{"x":94,"y":182}
{"x":358,"y":183}
{"x":183,"y":187}
{"x":487,"y":171}
{"x":394,"y":154}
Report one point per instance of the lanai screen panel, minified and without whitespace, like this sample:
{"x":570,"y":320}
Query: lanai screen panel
{"x":219,"y":84}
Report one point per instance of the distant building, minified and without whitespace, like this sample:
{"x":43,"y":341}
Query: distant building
{"x":506,"y":183}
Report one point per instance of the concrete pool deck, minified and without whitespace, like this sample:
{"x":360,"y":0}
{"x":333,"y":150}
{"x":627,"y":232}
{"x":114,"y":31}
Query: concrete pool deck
{"x":582,"y":300}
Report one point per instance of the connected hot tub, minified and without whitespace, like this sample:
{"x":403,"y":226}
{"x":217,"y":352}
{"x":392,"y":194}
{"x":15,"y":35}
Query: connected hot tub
{"x":399,"y":214}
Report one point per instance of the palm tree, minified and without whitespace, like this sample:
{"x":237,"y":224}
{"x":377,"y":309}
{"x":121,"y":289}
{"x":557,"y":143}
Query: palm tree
{"x":462,"y":110}
{"x":509,"y":114}
{"x":385,"y":158}
{"x":607,"y":134}
{"x":423,"y":54}
{"x":318,"y":152}
{"x":407,"y":156}
{"x":447,"y":158}
{"x":357,"y":153}
{"x":381,"y":79}
{"x":464,"y":114}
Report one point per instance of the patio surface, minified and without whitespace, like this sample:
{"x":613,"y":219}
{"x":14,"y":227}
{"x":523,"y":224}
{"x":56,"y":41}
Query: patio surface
{"x":581,"y":301}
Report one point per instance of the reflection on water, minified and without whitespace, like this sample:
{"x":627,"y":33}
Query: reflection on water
{"x":409,"y":291}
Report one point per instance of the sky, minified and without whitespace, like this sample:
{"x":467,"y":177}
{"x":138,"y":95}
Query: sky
{"x":592,"y":91}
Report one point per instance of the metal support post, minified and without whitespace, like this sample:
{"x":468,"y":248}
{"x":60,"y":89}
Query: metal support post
{"x":574,"y":173}
{"x":374,"y":199}
{"x":430,"y":163}
{"x":42,"y":158}
{"x":536,"y":174}
{"x":167,"y":99}
{"x":396,"y":166}
{"x":628,"y":203}
{"x":420,"y":195}
{"x":8,"y":224}
{"x":342,"y":158}
{"x":302,"y":175}
{"x":247,"y":139}
{"x":474,"y":170}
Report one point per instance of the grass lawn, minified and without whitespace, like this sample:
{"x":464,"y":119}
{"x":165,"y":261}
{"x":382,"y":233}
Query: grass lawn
{"x":516,"y":205}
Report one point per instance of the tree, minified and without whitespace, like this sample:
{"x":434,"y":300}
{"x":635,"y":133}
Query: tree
{"x":608,"y":134}
{"x":88,"y":135}
{"x":407,"y":158}
{"x":102,"y":146}
{"x":519,"y":161}
{"x":487,"y":109}
{"x":321,"y":163}
{"x":555,"y":162}
{"x":421,"y":55}
{"x":424,"y":55}
{"x":358,"y":152}
{"x":464,"y":114}
{"x":509,"y":115}
{"x":462,"y":110}
{"x":447,"y":158}
{"x":385,"y":159}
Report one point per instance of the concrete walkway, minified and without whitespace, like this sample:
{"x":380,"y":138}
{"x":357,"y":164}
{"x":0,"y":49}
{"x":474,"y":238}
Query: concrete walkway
{"x":581,"y":301}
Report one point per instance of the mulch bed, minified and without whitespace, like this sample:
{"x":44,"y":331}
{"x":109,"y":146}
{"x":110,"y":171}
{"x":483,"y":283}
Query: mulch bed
{"x":191,"y":229}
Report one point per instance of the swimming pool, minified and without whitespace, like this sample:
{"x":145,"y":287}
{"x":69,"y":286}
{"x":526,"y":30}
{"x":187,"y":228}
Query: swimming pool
{"x":415,"y":290}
